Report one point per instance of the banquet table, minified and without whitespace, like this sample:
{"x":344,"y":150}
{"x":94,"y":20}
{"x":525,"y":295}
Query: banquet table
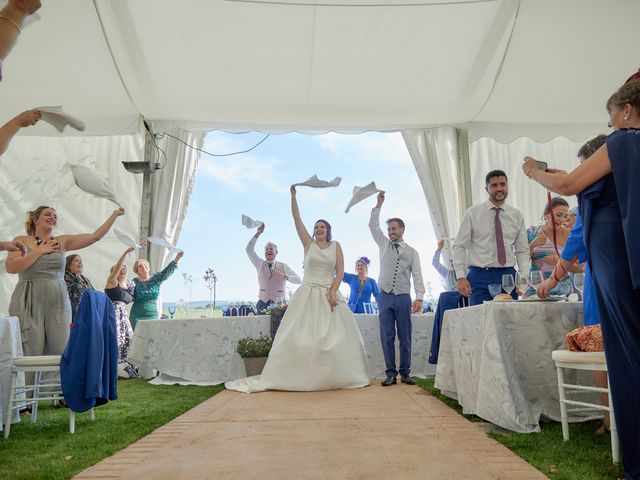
{"x":202,"y":350}
{"x":495,"y":360}
{"x":10,"y":346}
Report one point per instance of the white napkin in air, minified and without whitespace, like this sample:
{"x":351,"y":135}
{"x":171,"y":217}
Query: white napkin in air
{"x":360,"y":193}
{"x":126,"y":239}
{"x":92,"y":182}
{"x":59,"y":119}
{"x":161,"y":242}
{"x":250,"y":223}
{"x":314,"y":182}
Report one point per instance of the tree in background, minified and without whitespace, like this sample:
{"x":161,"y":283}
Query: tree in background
{"x":210,"y":280}
{"x":188,"y":283}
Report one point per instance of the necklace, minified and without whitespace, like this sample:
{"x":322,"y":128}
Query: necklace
{"x":39,"y":240}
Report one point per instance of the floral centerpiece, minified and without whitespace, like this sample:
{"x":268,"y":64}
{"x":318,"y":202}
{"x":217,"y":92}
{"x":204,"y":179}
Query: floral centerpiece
{"x":254,"y":352}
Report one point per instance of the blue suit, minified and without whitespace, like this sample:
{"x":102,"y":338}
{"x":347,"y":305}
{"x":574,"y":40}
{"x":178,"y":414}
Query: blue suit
{"x":89,"y":364}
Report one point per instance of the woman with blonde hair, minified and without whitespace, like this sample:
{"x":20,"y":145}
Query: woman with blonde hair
{"x":147,"y":289}
{"x":40,"y":299}
{"x":120,"y":291}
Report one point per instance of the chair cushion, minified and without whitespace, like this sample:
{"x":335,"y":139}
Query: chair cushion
{"x":37,"y":361}
{"x":578,"y":357}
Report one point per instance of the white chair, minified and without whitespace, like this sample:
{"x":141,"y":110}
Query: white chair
{"x":592,"y":361}
{"x":53,"y":390}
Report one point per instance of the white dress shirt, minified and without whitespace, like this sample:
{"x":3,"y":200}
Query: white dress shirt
{"x":475,"y":243}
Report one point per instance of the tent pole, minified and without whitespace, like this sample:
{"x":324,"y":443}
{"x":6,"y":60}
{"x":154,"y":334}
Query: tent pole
{"x":465,"y":199}
{"x":146,"y":207}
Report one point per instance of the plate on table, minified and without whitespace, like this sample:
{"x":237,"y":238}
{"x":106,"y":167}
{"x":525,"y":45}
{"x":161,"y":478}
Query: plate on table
{"x":553,"y":298}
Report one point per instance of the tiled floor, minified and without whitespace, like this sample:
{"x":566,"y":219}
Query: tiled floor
{"x":399,"y":432}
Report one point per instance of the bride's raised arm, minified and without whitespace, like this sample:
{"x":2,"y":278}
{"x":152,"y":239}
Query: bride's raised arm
{"x":305,"y":238}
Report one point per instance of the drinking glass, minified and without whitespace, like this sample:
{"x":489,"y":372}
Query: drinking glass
{"x":535,"y":279}
{"x":495,"y":289}
{"x":522,"y":283}
{"x":172,"y":310}
{"x":578,"y":282}
{"x":508,"y":284}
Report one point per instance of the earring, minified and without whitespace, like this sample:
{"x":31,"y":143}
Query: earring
{"x":626,"y":119}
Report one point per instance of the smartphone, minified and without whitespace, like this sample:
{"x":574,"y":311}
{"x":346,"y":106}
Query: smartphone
{"x":542,"y":165}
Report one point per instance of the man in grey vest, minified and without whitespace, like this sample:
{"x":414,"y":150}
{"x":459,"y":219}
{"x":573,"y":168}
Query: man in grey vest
{"x":398,"y":263}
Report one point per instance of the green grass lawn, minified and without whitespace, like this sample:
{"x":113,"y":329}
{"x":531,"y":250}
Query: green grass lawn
{"x":46,"y":449}
{"x":584,"y":457}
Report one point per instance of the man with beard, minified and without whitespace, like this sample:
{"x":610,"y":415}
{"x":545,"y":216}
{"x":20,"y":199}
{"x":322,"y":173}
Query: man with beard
{"x":272,"y":275}
{"x":398,"y":263}
{"x":490,"y":241}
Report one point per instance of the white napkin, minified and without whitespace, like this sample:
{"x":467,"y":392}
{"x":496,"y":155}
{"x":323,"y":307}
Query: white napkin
{"x":360,"y":193}
{"x":161,"y":242}
{"x":126,"y":239}
{"x":59,"y":119}
{"x":314,"y":182}
{"x":92,"y":182}
{"x":250,"y":223}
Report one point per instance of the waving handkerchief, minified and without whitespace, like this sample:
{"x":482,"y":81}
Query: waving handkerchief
{"x":59,"y":119}
{"x":250,"y":223}
{"x":92,"y":182}
{"x":126,"y":239}
{"x":314,"y":182}
{"x":360,"y":193}
{"x":161,"y":242}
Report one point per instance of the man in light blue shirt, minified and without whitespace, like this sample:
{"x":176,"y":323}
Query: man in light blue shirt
{"x":398,"y":264}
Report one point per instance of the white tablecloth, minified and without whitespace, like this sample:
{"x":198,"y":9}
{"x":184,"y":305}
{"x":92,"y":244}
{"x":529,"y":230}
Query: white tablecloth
{"x":495,"y":359}
{"x":204,"y":349}
{"x":10,"y":346}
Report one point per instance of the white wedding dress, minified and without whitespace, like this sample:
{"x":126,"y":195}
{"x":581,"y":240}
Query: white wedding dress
{"x":315,"y":348}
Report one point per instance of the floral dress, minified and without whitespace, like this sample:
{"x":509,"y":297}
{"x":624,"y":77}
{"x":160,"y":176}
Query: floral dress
{"x":121,"y":297}
{"x":76,"y":285}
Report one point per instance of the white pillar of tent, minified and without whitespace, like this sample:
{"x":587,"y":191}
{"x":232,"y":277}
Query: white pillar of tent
{"x":465,"y":198}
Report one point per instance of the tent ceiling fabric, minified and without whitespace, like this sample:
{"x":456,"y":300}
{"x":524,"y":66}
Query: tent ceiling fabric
{"x":312,"y":66}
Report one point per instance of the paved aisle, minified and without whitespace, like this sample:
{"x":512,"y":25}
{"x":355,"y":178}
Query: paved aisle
{"x":398,"y":432}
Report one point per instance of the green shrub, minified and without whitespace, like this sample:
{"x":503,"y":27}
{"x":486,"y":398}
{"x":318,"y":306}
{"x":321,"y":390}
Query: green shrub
{"x":254,"y":347}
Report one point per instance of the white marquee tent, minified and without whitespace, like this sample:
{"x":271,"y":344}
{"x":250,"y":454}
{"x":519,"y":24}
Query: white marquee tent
{"x":472,"y":84}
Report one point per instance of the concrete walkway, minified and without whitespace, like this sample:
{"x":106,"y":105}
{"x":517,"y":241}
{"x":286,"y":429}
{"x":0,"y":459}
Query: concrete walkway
{"x":398,"y":432}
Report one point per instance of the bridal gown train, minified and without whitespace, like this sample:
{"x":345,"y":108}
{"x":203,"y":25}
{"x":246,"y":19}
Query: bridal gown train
{"x":315,"y":348}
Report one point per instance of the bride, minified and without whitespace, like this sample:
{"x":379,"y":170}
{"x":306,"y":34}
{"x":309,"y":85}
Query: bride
{"x":318,"y":345}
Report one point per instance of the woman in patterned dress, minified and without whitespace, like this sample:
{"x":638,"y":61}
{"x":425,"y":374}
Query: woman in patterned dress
{"x":76,"y":282}
{"x":120,"y":291}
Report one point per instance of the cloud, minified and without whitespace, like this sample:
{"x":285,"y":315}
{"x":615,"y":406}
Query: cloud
{"x":369,"y":147}
{"x":243,"y":173}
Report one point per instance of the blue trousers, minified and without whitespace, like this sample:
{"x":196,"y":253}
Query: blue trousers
{"x":619,"y":306}
{"x":481,"y":278}
{"x":446,"y":301}
{"x":395,"y":312}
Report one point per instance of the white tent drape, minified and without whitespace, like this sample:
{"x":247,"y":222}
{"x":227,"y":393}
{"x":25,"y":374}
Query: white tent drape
{"x":35,"y":171}
{"x":434,"y":154}
{"x":172,"y":189}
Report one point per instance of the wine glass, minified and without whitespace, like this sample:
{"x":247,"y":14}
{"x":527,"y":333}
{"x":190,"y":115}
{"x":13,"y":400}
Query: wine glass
{"x":172,"y":310}
{"x":495,"y":289}
{"x":508,"y":284}
{"x":522,"y":283}
{"x":578,"y":282}
{"x":535,"y":279}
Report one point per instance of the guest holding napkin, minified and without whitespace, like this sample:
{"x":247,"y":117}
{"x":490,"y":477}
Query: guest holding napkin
{"x":13,"y":126}
{"x":12,"y":18}
{"x":362,"y":286}
{"x":147,"y":289}
{"x":40,"y":299}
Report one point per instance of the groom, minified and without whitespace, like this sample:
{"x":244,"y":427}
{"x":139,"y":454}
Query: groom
{"x":398,"y":263}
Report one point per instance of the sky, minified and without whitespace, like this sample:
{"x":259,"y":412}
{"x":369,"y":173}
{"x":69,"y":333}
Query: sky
{"x":257,"y":184}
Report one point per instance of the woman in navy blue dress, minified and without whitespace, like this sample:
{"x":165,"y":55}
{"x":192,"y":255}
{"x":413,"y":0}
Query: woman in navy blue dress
{"x":609,"y":206}
{"x":361,"y":285}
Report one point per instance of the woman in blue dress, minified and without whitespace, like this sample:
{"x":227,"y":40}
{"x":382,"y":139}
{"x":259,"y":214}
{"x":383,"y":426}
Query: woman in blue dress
{"x":589,"y":337}
{"x":362,"y":287}
{"x":609,"y":198}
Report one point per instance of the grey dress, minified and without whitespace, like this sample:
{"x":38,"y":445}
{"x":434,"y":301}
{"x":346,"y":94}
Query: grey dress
{"x":41,"y":302}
